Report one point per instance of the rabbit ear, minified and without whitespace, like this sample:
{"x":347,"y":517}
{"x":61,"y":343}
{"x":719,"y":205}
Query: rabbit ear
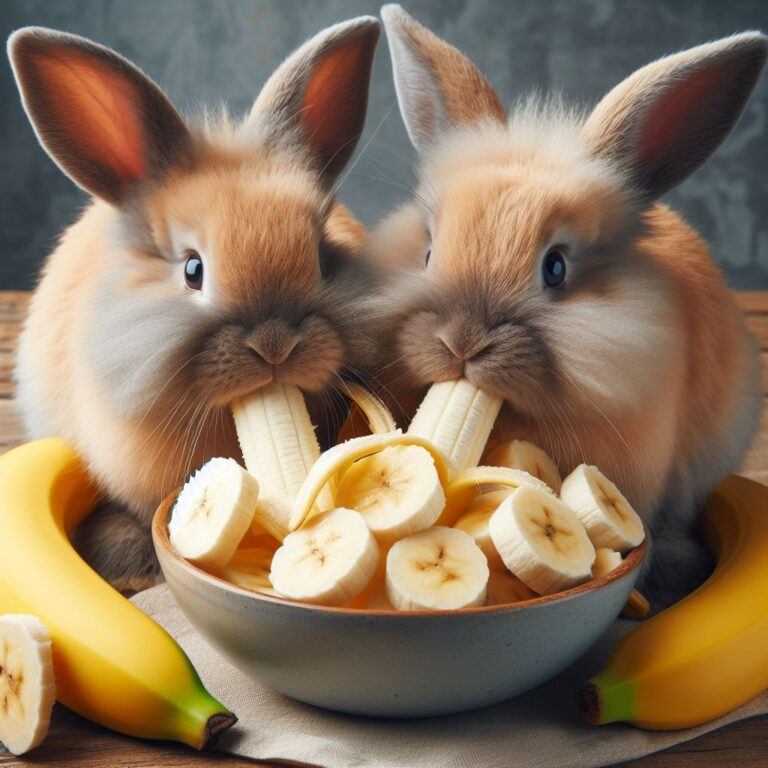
{"x":319,"y":94}
{"x":101,"y":119}
{"x":437,"y":86}
{"x":666,"y":119}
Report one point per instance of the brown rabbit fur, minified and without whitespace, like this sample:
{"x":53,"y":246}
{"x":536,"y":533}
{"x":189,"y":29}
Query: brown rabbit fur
{"x":121,"y":354}
{"x":638,"y":361}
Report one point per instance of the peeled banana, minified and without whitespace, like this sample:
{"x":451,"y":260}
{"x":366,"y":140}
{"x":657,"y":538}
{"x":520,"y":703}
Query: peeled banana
{"x":113,"y":664}
{"x":458,"y":418}
{"x":704,"y":656}
{"x":27,"y":687}
{"x":279,"y":446}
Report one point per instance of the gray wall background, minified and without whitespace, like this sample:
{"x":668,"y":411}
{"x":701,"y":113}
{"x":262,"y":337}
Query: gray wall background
{"x":205,"y":51}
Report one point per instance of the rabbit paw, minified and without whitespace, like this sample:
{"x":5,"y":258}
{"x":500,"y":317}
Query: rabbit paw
{"x":118,"y":546}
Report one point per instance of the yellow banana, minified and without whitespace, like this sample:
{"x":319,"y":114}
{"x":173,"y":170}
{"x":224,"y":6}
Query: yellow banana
{"x":706,"y":655}
{"x":113,"y":664}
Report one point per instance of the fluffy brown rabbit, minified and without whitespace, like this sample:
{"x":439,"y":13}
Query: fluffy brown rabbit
{"x":536,"y":262}
{"x":212,"y":261}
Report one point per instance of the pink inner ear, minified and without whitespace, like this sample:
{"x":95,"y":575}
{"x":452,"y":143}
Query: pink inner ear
{"x":96,"y":110}
{"x":669,"y":119}
{"x":332,"y":98}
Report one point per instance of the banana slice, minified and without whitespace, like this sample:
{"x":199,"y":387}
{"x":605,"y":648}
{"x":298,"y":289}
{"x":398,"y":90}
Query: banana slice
{"x":249,"y":568}
{"x":437,"y":569}
{"x":475,"y":523}
{"x":27,"y":687}
{"x":458,"y":418}
{"x":504,"y":588}
{"x":397,"y":491}
{"x":605,"y":561}
{"x":519,"y":454}
{"x":279,"y":447}
{"x":605,"y":513}
{"x":213,"y":513}
{"x":541,"y":541}
{"x":335,"y":461}
{"x":327,"y":562}
{"x":466,"y":486}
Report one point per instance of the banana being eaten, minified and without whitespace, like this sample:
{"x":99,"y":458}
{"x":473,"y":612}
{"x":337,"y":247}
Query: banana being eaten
{"x":392,"y":520}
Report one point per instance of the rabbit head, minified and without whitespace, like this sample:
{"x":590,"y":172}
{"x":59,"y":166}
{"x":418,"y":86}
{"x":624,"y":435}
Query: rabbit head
{"x":524,"y":256}
{"x":217,"y":258}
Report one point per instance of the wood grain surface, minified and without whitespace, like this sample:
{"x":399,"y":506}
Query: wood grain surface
{"x":77,"y":743}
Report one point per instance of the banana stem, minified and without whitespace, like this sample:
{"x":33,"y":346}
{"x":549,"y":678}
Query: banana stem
{"x":605,"y":699}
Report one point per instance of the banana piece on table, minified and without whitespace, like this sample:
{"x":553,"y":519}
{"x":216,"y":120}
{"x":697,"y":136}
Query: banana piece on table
{"x":458,"y":418}
{"x":329,"y":561}
{"x":504,"y":588}
{"x":475,"y":523}
{"x":436,"y":569}
{"x":279,"y":446}
{"x":520,"y":454}
{"x":397,"y":491}
{"x":605,"y":513}
{"x":213,"y":512}
{"x":249,"y":568}
{"x":27,"y":687}
{"x":473,"y":481}
{"x":541,"y":541}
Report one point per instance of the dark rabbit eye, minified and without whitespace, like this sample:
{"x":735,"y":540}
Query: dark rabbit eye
{"x":427,"y":254}
{"x":193,"y":271}
{"x":553,"y":268}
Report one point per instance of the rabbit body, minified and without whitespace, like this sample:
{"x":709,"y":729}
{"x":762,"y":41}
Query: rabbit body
{"x":536,"y":262}
{"x":212,"y":261}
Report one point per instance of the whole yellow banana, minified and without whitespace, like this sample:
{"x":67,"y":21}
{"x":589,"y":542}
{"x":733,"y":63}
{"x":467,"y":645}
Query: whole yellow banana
{"x":113,"y":664}
{"x":708,"y":654}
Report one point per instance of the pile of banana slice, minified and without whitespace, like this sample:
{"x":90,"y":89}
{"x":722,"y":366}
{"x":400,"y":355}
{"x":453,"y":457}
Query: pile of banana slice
{"x":398,"y":520}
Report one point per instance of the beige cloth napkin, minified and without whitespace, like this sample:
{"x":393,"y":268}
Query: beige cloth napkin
{"x":540,"y":729}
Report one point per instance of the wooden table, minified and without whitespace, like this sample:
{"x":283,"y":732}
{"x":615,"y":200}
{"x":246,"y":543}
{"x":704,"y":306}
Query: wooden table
{"x":76,"y":743}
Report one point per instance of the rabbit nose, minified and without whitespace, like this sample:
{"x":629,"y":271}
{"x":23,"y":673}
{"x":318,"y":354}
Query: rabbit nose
{"x":461,"y":347}
{"x":273,"y":341}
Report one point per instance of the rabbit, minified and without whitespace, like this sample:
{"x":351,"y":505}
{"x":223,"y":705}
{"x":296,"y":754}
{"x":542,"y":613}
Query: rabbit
{"x":212,"y":260}
{"x":536,"y":261}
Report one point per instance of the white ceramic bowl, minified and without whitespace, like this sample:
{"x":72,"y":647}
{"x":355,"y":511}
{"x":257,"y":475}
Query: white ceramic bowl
{"x":391,"y":664}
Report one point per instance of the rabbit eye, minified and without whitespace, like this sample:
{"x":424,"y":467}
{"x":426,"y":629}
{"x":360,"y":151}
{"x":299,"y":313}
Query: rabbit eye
{"x":427,"y":254}
{"x":553,"y":268}
{"x":193,"y":271}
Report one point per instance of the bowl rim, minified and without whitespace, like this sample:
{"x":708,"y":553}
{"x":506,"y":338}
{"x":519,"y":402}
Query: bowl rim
{"x":162,"y":542}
